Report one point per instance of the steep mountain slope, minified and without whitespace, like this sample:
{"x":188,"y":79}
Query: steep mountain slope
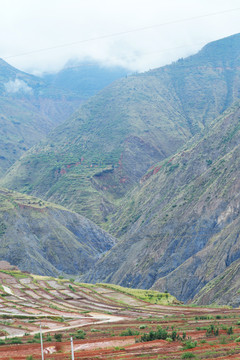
{"x":182,"y":224}
{"x":224,"y":289}
{"x":31,"y":106}
{"x":92,"y":160}
{"x":47,"y":239}
{"x":29,"y":109}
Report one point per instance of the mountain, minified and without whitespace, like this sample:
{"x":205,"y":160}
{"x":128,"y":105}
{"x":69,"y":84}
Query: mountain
{"x":47,"y":239}
{"x":28,"y":111}
{"x":223,"y":289}
{"x":154,"y":158}
{"x":90,"y":162}
{"x":31,"y":106}
{"x":85,"y":78}
{"x":180,"y":228}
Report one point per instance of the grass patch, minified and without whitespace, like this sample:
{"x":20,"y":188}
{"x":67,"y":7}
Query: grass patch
{"x":151,"y":296}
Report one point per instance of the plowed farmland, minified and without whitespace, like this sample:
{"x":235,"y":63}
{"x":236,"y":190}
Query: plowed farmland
{"x":107,"y":322}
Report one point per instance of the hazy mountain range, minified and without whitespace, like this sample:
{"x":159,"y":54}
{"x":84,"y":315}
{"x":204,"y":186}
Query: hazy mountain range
{"x":152,"y":158}
{"x":31,"y":106}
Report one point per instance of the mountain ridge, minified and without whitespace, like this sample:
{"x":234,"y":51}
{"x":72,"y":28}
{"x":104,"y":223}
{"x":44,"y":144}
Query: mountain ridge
{"x":141,"y":120}
{"x":181,"y":225}
{"x":154,"y":159}
{"x":47,"y":239}
{"x":31,"y":106}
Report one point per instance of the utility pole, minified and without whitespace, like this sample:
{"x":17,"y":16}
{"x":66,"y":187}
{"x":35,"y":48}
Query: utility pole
{"x":72,"y":348}
{"x":41,"y":341}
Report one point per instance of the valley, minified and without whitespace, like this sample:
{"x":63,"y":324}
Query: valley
{"x":122,"y":195}
{"x":153,"y":160}
{"x":91,"y":161}
{"x":119,"y":180}
{"x":48,"y":239}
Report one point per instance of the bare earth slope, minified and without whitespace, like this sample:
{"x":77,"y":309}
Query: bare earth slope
{"x":180,"y":227}
{"x":47,"y":239}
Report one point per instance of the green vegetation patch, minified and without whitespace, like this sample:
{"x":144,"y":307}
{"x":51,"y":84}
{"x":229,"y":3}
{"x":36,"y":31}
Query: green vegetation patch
{"x":15,"y":273}
{"x":3,"y":228}
{"x":151,"y":296}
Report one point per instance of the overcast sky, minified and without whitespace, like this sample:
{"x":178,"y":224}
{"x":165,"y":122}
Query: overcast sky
{"x":50,"y":32}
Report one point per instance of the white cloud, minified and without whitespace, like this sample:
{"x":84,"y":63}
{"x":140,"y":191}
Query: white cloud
{"x":29,"y":26}
{"x":17,"y":86}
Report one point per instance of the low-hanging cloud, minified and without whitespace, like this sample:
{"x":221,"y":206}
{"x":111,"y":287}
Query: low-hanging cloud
{"x":42,"y":35}
{"x":16,"y":86}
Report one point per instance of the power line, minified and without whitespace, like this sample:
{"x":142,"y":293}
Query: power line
{"x":122,"y":33}
{"x":94,"y":63}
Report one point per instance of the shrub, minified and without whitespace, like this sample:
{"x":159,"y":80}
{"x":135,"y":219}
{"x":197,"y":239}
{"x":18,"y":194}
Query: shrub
{"x":80,"y":334}
{"x":189,"y":344}
{"x":49,"y":338}
{"x":58,"y":337}
{"x":211,"y":330}
{"x":129,"y":332}
{"x":16,"y":341}
{"x":71,"y":288}
{"x":174,"y":335}
{"x":188,"y":356}
{"x":33,"y":341}
{"x":223,"y":340}
{"x":160,"y":334}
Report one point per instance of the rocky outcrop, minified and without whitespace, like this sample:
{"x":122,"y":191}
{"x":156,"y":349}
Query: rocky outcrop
{"x":45,"y":239}
{"x":180,"y":230}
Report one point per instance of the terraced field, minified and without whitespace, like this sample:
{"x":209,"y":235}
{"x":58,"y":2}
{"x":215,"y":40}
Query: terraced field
{"x":107,"y":322}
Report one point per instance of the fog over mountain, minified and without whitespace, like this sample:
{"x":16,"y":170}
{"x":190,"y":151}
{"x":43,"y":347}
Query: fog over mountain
{"x":138,"y":35}
{"x":119,"y":132}
{"x":153,"y":158}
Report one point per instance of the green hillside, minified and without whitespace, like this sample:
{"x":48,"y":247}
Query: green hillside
{"x":29,"y":109}
{"x":91,"y":161}
{"x":181,"y":226}
{"x":47,"y":239}
{"x":154,"y":159}
{"x":31,"y":106}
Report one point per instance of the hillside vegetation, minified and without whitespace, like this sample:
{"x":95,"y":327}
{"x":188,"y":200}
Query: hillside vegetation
{"x":29,"y":109}
{"x":154,"y":159}
{"x":47,"y":239}
{"x":92,"y":160}
{"x":181,"y":225}
{"x":31,"y":106}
